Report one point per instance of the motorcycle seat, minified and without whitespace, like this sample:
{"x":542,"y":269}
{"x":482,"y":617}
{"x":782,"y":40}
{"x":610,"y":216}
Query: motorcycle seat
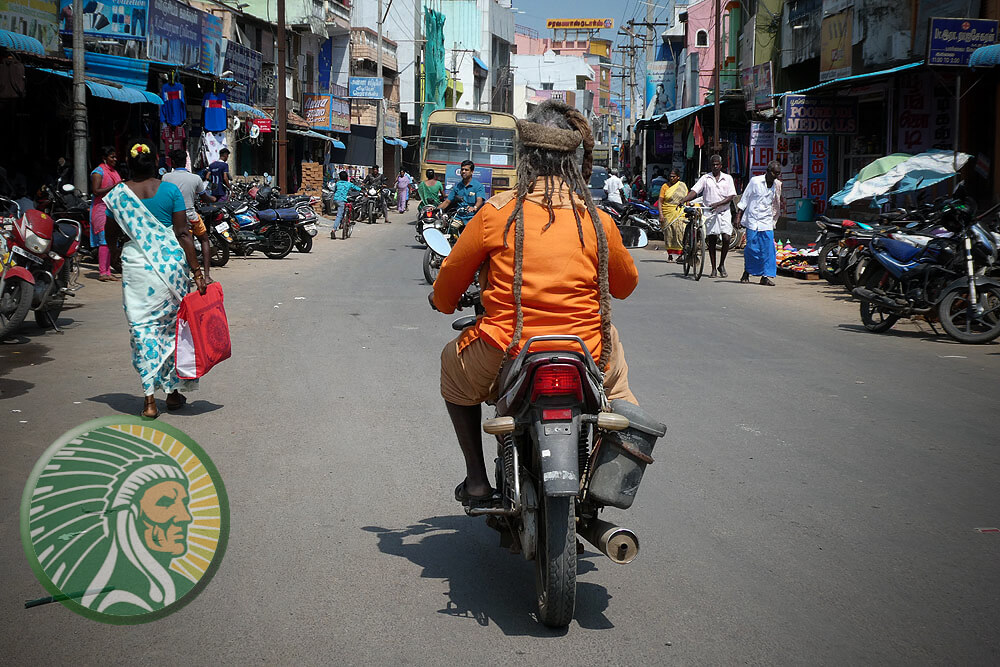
{"x":209,"y":209}
{"x":620,"y":208}
{"x":272,"y":214}
{"x":898,"y":250}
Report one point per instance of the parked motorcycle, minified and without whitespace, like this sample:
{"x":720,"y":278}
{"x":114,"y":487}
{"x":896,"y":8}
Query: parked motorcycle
{"x":564,"y":453}
{"x":36,"y":271}
{"x":220,"y":235}
{"x":941,"y":280}
{"x":274,"y":237}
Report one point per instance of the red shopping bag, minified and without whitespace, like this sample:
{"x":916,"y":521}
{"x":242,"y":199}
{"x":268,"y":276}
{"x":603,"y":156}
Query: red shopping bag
{"x":202,"y":333}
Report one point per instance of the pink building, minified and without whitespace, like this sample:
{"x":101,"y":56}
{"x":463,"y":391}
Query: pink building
{"x":700,"y":32}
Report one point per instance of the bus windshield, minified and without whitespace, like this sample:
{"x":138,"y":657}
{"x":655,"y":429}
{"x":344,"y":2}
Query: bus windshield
{"x":485,"y":146}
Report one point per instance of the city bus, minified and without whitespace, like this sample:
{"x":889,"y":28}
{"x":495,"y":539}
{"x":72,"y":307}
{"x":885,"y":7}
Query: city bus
{"x":485,"y":137}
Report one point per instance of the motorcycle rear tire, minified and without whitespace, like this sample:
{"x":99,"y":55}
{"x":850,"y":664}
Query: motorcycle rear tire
{"x":827,"y":262}
{"x":304,"y":243}
{"x":875,"y":318}
{"x":21,"y":292}
{"x":555,"y":560}
{"x":220,"y":251}
{"x":372,"y":215}
{"x":279,"y":243}
{"x":430,"y":272}
{"x":953,"y":306}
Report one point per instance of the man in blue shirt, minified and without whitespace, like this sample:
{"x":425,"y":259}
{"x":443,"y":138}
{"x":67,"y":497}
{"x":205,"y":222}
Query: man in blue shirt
{"x":218,"y":175}
{"x":468,"y":196}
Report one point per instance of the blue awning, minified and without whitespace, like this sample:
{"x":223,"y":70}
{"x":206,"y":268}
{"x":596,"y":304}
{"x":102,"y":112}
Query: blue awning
{"x":480,"y":64}
{"x":239,"y":107}
{"x":985,"y":56}
{"x":15,"y":41}
{"x":312,"y":134}
{"x":851,"y":79}
{"x":126,"y":71}
{"x":396,"y":142}
{"x":672,"y":117}
{"x":123,"y":94}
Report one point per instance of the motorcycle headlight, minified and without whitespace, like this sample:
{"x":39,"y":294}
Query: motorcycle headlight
{"x":984,"y":249}
{"x":36,"y":244}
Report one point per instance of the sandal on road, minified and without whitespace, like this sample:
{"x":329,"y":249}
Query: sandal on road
{"x":463,"y":496}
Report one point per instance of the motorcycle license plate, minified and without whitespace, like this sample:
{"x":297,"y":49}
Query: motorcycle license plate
{"x":222,"y":227}
{"x":18,"y":250}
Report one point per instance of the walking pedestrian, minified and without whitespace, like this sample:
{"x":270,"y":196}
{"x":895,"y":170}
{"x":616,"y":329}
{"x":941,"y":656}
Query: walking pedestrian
{"x":613,"y":187}
{"x":717,"y":191}
{"x":402,"y":191}
{"x":192,"y":187}
{"x":758,"y":211}
{"x":672,"y":218}
{"x":218,"y":175}
{"x":102,"y":179}
{"x":340,"y":193}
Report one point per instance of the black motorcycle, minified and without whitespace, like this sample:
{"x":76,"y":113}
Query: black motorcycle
{"x":272,"y":236}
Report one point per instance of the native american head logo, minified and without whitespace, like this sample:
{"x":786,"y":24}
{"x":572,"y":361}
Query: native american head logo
{"x":123,"y":521}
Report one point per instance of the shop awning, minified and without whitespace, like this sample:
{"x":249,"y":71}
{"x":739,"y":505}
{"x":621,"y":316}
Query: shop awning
{"x":316,"y":135}
{"x":395,"y":142}
{"x":480,"y":64}
{"x":126,"y":94}
{"x":292,"y":119}
{"x":851,"y":79}
{"x":985,"y":56}
{"x":671,"y":117}
{"x":239,"y":107}
{"x":15,"y":41}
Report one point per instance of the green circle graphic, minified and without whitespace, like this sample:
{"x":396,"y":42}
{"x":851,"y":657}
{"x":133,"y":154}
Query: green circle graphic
{"x":124,"y":520}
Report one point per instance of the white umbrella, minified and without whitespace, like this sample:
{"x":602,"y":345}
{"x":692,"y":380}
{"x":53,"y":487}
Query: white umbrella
{"x":920,"y":171}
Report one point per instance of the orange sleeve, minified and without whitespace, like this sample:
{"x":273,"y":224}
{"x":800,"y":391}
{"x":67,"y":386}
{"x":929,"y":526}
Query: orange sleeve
{"x":459,"y":267}
{"x":622,"y":274}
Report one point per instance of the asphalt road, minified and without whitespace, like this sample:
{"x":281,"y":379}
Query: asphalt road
{"x":815,"y":500}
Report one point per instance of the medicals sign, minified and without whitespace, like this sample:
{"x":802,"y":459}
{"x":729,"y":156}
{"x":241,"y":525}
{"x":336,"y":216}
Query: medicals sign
{"x":952,"y":41}
{"x":820,"y":115}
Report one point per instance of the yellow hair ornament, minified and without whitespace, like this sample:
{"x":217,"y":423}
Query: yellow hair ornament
{"x":139,"y":148}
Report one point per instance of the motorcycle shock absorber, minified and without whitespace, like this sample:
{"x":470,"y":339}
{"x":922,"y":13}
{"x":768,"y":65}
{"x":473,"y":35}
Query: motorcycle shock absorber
{"x":583,"y":452}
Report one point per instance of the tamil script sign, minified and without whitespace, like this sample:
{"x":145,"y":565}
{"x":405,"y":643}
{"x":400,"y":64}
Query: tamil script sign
{"x":818,"y":115}
{"x":317,"y":111}
{"x":952,"y":41}
{"x":579,"y":24}
{"x":246,"y":65}
{"x":817,"y":170}
{"x":366,"y":87}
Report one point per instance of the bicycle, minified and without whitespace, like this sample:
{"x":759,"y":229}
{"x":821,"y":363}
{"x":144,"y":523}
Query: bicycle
{"x":346,"y":221}
{"x":693,"y":253}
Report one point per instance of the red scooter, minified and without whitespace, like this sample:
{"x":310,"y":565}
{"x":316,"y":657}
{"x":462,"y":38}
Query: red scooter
{"x":35,"y":267}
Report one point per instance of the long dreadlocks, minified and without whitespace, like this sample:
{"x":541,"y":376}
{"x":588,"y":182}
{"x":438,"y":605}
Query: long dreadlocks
{"x":547,"y":151}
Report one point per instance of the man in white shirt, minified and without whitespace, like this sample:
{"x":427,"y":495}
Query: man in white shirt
{"x":758,"y":210}
{"x":717,"y":191}
{"x":191,"y":185}
{"x":613,"y":187}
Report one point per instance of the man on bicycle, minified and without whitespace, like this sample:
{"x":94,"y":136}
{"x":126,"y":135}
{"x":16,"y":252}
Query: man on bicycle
{"x":718,"y":192}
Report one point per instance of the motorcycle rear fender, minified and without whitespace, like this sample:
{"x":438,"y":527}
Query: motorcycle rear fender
{"x":19,"y":272}
{"x":557,"y":444}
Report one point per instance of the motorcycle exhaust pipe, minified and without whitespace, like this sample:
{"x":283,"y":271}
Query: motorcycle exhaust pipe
{"x":617,"y":543}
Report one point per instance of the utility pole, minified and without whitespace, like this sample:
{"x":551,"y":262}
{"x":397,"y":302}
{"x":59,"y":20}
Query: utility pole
{"x":379,"y":118}
{"x":281,"y":105}
{"x":79,"y":103}
{"x":418,"y":42}
{"x":718,"y":66}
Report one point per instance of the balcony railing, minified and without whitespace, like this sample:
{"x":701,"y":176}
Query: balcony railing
{"x":366,"y":52}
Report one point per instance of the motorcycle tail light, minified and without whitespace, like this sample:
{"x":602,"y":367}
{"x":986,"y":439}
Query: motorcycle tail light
{"x":557,"y":380}
{"x":554,"y":415}
{"x":36,"y":244}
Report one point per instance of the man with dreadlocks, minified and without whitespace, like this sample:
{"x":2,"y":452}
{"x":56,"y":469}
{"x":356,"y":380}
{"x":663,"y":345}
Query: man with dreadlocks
{"x":550,"y":265}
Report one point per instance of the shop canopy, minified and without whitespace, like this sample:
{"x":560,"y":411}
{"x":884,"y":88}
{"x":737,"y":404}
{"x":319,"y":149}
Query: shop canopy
{"x":396,"y":142}
{"x":316,"y":135}
{"x":15,"y":41}
{"x":239,"y":107}
{"x":916,"y":173}
{"x":480,"y":64}
{"x":851,"y":79}
{"x":985,"y":56}
{"x":109,"y":91}
{"x":671,"y":117}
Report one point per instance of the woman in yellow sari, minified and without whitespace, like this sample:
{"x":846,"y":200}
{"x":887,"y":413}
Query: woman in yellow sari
{"x":672,"y":218}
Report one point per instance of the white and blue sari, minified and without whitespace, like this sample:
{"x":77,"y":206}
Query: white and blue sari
{"x":155,"y":278}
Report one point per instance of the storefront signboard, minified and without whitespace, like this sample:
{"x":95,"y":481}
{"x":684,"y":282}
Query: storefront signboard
{"x":365,"y":87}
{"x":820,"y":115}
{"x":579,"y":24}
{"x":817,"y":171}
{"x":925,"y":115}
{"x":246,"y":65}
{"x":952,"y":41}
{"x":757,"y":88}
{"x":788,"y":153}
{"x":316,"y":110}
{"x":835,"y":46}
{"x":661,"y":87}
{"x":761,"y":146}
{"x":186,"y":36}
{"x":37,"y":18}
{"x":340,"y":114}
{"x":109,"y":19}
{"x":265,"y":124}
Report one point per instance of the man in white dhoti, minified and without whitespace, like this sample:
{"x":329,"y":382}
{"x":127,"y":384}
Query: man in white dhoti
{"x":758,"y":210}
{"x":717,"y":191}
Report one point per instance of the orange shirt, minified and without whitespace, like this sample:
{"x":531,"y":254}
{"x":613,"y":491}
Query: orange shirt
{"x":559,"y":293}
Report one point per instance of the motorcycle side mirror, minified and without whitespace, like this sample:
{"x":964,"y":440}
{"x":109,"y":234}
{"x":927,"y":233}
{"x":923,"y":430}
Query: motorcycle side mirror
{"x":68,"y":187}
{"x":437,"y":242}
{"x":913,"y":225}
{"x":632,"y":237}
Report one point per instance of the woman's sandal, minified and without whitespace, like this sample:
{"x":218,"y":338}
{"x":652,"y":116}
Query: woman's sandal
{"x":149,"y":410}
{"x":176,"y":403}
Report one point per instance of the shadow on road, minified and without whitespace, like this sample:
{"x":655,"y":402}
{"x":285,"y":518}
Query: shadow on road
{"x":498,"y":588}
{"x":19,"y":352}
{"x":132,"y":403}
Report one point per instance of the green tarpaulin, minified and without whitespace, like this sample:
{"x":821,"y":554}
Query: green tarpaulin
{"x":435,"y":74}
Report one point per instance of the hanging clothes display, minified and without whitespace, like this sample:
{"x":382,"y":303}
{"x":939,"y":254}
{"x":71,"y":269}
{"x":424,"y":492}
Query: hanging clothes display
{"x":214,"y":117}
{"x":174,"y":138}
{"x":211,"y":144}
{"x":174,"y":108}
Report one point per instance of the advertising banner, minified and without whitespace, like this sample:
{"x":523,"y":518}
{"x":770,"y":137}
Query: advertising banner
{"x":788,"y":151}
{"x":579,"y":24}
{"x":453,"y":175}
{"x":952,"y":41}
{"x":924,"y":116}
{"x":184,"y":35}
{"x":340,"y":114}
{"x":817,"y":171}
{"x":265,"y":124}
{"x":316,"y":110}
{"x":246,"y":65}
{"x":757,"y":88}
{"x":835,"y":46}
{"x":820,"y":115}
{"x":34,"y":18}
{"x":661,"y":87}
{"x":761,"y":147}
{"x":365,"y":87}
{"x":113,"y":19}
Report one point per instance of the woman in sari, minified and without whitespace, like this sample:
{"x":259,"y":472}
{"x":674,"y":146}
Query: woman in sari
{"x":155,"y":273}
{"x":672,"y":218}
{"x":102,"y":179}
{"x":430,"y":191}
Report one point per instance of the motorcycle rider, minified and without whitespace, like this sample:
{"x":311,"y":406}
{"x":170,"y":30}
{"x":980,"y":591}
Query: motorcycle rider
{"x":551,"y":263}
{"x":468,"y":195}
{"x":378,"y":180}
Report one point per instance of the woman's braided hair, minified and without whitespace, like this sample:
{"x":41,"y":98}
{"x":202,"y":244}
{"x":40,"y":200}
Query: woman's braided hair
{"x":547,"y":150}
